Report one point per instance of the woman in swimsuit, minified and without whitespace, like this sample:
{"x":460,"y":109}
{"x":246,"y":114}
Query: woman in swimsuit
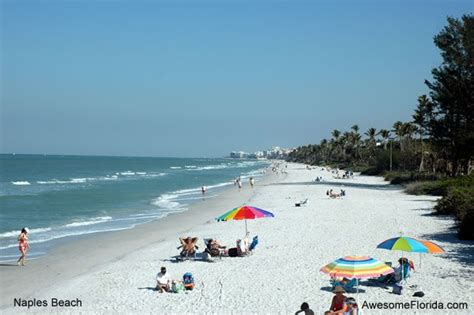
{"x":23,"y":246}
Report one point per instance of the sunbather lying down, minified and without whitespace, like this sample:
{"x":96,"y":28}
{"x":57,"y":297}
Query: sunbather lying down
{"x":188,"y":246}
{"x":214,"y":248}
{"x":243,"y":247}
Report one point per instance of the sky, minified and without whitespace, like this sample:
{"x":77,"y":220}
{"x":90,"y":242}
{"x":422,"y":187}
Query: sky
{"x":203,"y":78}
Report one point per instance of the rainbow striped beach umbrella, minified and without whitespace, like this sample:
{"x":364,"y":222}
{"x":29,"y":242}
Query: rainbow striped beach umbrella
{"x":410,"y":244}
{"x":245,"y":213}
{"x":358,"y":267}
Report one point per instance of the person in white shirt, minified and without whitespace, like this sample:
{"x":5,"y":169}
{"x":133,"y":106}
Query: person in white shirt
{"x":163,"y":281}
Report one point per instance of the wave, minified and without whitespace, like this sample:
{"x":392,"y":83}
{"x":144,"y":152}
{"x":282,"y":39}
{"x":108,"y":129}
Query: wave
{"x":175,"y":167}
{"x":117,"y":176}
{"x":171,"y":200}
{"x":166,"y":201}
{"x":96,"y":220}
{"x":70,"y":233}
{"x":21,"y":183}
{"x":16,"y":233}
{"x":190,"y":166}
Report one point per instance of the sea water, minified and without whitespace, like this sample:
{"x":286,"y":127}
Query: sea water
{"x":62,"y":197}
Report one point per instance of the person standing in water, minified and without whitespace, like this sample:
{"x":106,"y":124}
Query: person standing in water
{"x":23,"y":245}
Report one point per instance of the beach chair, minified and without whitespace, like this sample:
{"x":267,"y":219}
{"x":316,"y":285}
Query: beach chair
{"x":348,"y":285}
{"x":301,"y":203}
{"x":187,"y":251}
{"x":210,"y":252}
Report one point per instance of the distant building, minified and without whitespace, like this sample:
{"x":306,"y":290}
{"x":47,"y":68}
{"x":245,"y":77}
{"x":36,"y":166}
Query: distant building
{"x":275,"y":152}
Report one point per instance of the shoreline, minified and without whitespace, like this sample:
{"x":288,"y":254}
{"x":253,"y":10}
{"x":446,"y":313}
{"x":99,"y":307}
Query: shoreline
{"x":294,"y":244}
{"x":62,"y":264}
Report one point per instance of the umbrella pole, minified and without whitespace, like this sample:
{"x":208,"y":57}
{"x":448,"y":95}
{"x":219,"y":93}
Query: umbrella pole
{"x":357,"y":290}
{"x":402,"y":267}
{"x":246,"y":227}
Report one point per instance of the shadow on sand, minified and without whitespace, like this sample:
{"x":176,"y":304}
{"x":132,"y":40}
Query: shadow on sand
{"x":352,"y":291}
{"x":9,"y":265}
{"x":462,"y":252}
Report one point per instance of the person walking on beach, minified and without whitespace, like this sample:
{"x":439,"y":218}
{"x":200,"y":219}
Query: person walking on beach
{"x":252,"y":181}
{"x":239,"y":183}
{"x":203,"y":189}
{"x":23,"y":246}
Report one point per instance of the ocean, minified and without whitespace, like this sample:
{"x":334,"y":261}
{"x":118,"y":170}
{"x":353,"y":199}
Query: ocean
{"x":62,"y":197}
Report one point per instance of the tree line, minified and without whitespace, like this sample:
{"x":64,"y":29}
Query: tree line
{"x":433,"y":152}
{"x":438,"y":139}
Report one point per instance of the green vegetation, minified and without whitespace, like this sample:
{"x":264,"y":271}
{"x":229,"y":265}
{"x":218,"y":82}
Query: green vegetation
{"x":431,"y":153}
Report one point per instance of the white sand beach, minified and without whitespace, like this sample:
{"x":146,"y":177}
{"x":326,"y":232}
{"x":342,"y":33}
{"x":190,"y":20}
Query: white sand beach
{"x":115,"y":272}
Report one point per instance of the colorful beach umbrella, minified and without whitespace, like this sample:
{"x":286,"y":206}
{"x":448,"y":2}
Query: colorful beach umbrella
{"x":410,"y":244}
{"x":244,"y":213}
{"x":358,"y":267}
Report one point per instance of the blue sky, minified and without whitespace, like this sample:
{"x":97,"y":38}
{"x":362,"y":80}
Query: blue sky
{"x":201,"y":78}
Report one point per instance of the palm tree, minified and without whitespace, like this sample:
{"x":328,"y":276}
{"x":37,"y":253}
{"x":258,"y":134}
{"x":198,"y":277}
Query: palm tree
{"x":421,"y":119}
{"x":398,"y":128}
{"x":371,"y":132}
{"x":385,"y":136}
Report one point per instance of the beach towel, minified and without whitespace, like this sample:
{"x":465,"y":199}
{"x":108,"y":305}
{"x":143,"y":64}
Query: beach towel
{"x":177,"y":287}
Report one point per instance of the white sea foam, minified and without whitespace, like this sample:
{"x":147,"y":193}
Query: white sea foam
{"x":190,"y":166}
{"x":21,"y":183}
{"x":155,"y":175}
{"x":175,"y":167}
{"x":16,"y":233}
{"x":166,"y":201}
{"x":117,"y":176}
{"x":96,"y":220}
{"x":78,"y":180}
{"x":69,"y":233}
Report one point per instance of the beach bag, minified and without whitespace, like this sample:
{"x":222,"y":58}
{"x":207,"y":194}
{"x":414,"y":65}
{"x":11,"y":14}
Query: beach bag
{"x":397,"y":289}
{"x":188,"y":281}
{"x":233,"y":252}
{"x":177,"y":287}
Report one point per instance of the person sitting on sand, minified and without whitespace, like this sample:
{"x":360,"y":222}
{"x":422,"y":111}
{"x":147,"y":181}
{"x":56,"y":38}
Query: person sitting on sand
{"x":337,"y":303}
{"x":305,"y":309}
{"x":189,"y":246}
{"x":215,"y":248}
{"x":350,"y":307}
{"x":163,"y":281}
